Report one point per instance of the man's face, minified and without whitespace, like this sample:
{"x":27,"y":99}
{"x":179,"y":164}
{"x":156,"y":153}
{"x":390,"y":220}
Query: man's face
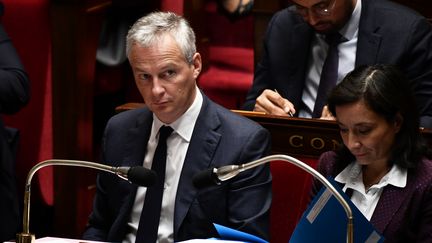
{"x":325,"y":16}
{"x":164,"y":78}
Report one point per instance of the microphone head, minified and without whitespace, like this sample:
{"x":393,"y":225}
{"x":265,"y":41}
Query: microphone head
{"x":141,"y":176}
{"x":206,"y":178}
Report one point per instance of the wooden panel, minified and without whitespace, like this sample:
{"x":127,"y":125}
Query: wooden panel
{"x":304,"y":137}
{"x":298,"y":136}
{"x":293,"y":136}
{"x":75,"y":31}
{"x":129,"y":106}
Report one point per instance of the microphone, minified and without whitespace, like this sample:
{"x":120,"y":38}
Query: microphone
{"x":207,"y":178}
{"x":137,"y":175}
{"x":215,"y":176}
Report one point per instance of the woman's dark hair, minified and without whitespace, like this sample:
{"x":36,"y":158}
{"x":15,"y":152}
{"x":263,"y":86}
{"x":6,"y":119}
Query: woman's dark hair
{"x":386,"y":91}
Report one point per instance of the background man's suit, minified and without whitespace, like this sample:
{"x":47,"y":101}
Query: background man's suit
{"x":388,"y":33}
{"x":14,"y":94}
{"x":220,"y":137}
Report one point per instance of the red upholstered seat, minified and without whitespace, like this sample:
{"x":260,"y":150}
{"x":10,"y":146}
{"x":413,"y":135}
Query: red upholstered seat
{"x":27,"y":23}
{"x":229,"y":76}
{"x":291,"y":194}
{"x":230,"y":57}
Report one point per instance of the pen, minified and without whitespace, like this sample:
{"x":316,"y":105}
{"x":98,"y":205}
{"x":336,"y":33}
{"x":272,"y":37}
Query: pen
{"x":289,"y":112}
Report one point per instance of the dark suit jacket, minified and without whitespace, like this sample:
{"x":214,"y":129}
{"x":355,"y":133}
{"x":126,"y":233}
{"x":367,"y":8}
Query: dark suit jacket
{"x":14,"y":94}
{"x":388,"y":33}
{"x":220,"y":137}
{"x":402,"y":214}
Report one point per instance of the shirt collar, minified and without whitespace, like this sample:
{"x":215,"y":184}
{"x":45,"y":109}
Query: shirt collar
{"x":350,"y":30}
{"x":352,"y":175}
{"x":185,"y":124}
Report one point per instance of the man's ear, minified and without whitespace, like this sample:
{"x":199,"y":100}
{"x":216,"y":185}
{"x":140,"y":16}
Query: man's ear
{"x":197,"y":64}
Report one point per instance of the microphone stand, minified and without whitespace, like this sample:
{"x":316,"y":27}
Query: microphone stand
{"x":26,"y":236}
{"x":229,"y":171}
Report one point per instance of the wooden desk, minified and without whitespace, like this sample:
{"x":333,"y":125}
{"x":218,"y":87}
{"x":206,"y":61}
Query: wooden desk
{"x":304,"y":137}
{"x":294,"y":136}
{"x":298,"y":136}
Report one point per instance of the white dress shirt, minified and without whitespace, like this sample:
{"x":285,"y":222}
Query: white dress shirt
{"x":319,"y":47}
{"x":366,"y":200}
{"x":177,"y":146}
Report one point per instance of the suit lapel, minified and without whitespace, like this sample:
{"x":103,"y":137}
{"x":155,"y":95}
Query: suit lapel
{"x":302,"y":40}
{"x":204,"y":142}
{"x":135,"y":148}
{"x":369,"y":38}
{"x":138,"y":137}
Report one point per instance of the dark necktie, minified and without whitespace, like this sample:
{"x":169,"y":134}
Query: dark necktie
{"x":329,"y":72}
{"x":150,"y":215}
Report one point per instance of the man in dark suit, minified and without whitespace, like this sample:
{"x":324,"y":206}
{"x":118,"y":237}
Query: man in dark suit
{"x":14,"y":94}
{"x":373,"y":31}
{"x":161,"y":50}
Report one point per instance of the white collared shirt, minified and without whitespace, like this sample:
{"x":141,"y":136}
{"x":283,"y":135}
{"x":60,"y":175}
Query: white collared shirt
{"x":318,"y":53}
{"x":177,"y":146}
{"x":366,"y":200}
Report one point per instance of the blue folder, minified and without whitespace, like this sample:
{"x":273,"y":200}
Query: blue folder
{"x":227,"y":233}
{"x":325,"y":221}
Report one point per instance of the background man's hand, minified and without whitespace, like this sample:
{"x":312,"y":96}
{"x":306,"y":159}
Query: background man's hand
{"x":270,"y":102}
{"x":326,"y":114}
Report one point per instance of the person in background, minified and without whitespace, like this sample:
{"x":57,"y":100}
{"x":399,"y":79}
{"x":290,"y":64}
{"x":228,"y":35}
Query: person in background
{"x":384,"y":164}
{"x":14,"y":94}
{"x":236,"y":8}
{"x":162,"y":53}
{"x":289,"y":80}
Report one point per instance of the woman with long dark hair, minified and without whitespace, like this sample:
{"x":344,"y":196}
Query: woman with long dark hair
{"x":383,"y":164}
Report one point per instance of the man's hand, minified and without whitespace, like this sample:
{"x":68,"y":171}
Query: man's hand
{"x":270,"y":102}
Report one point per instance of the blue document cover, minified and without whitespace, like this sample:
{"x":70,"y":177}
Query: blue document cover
{"x":325,"y":221}
{"x":226,"y":233}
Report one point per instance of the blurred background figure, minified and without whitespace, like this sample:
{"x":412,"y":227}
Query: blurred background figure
{"x":236,"y":8}
{"x":14,"y":94}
